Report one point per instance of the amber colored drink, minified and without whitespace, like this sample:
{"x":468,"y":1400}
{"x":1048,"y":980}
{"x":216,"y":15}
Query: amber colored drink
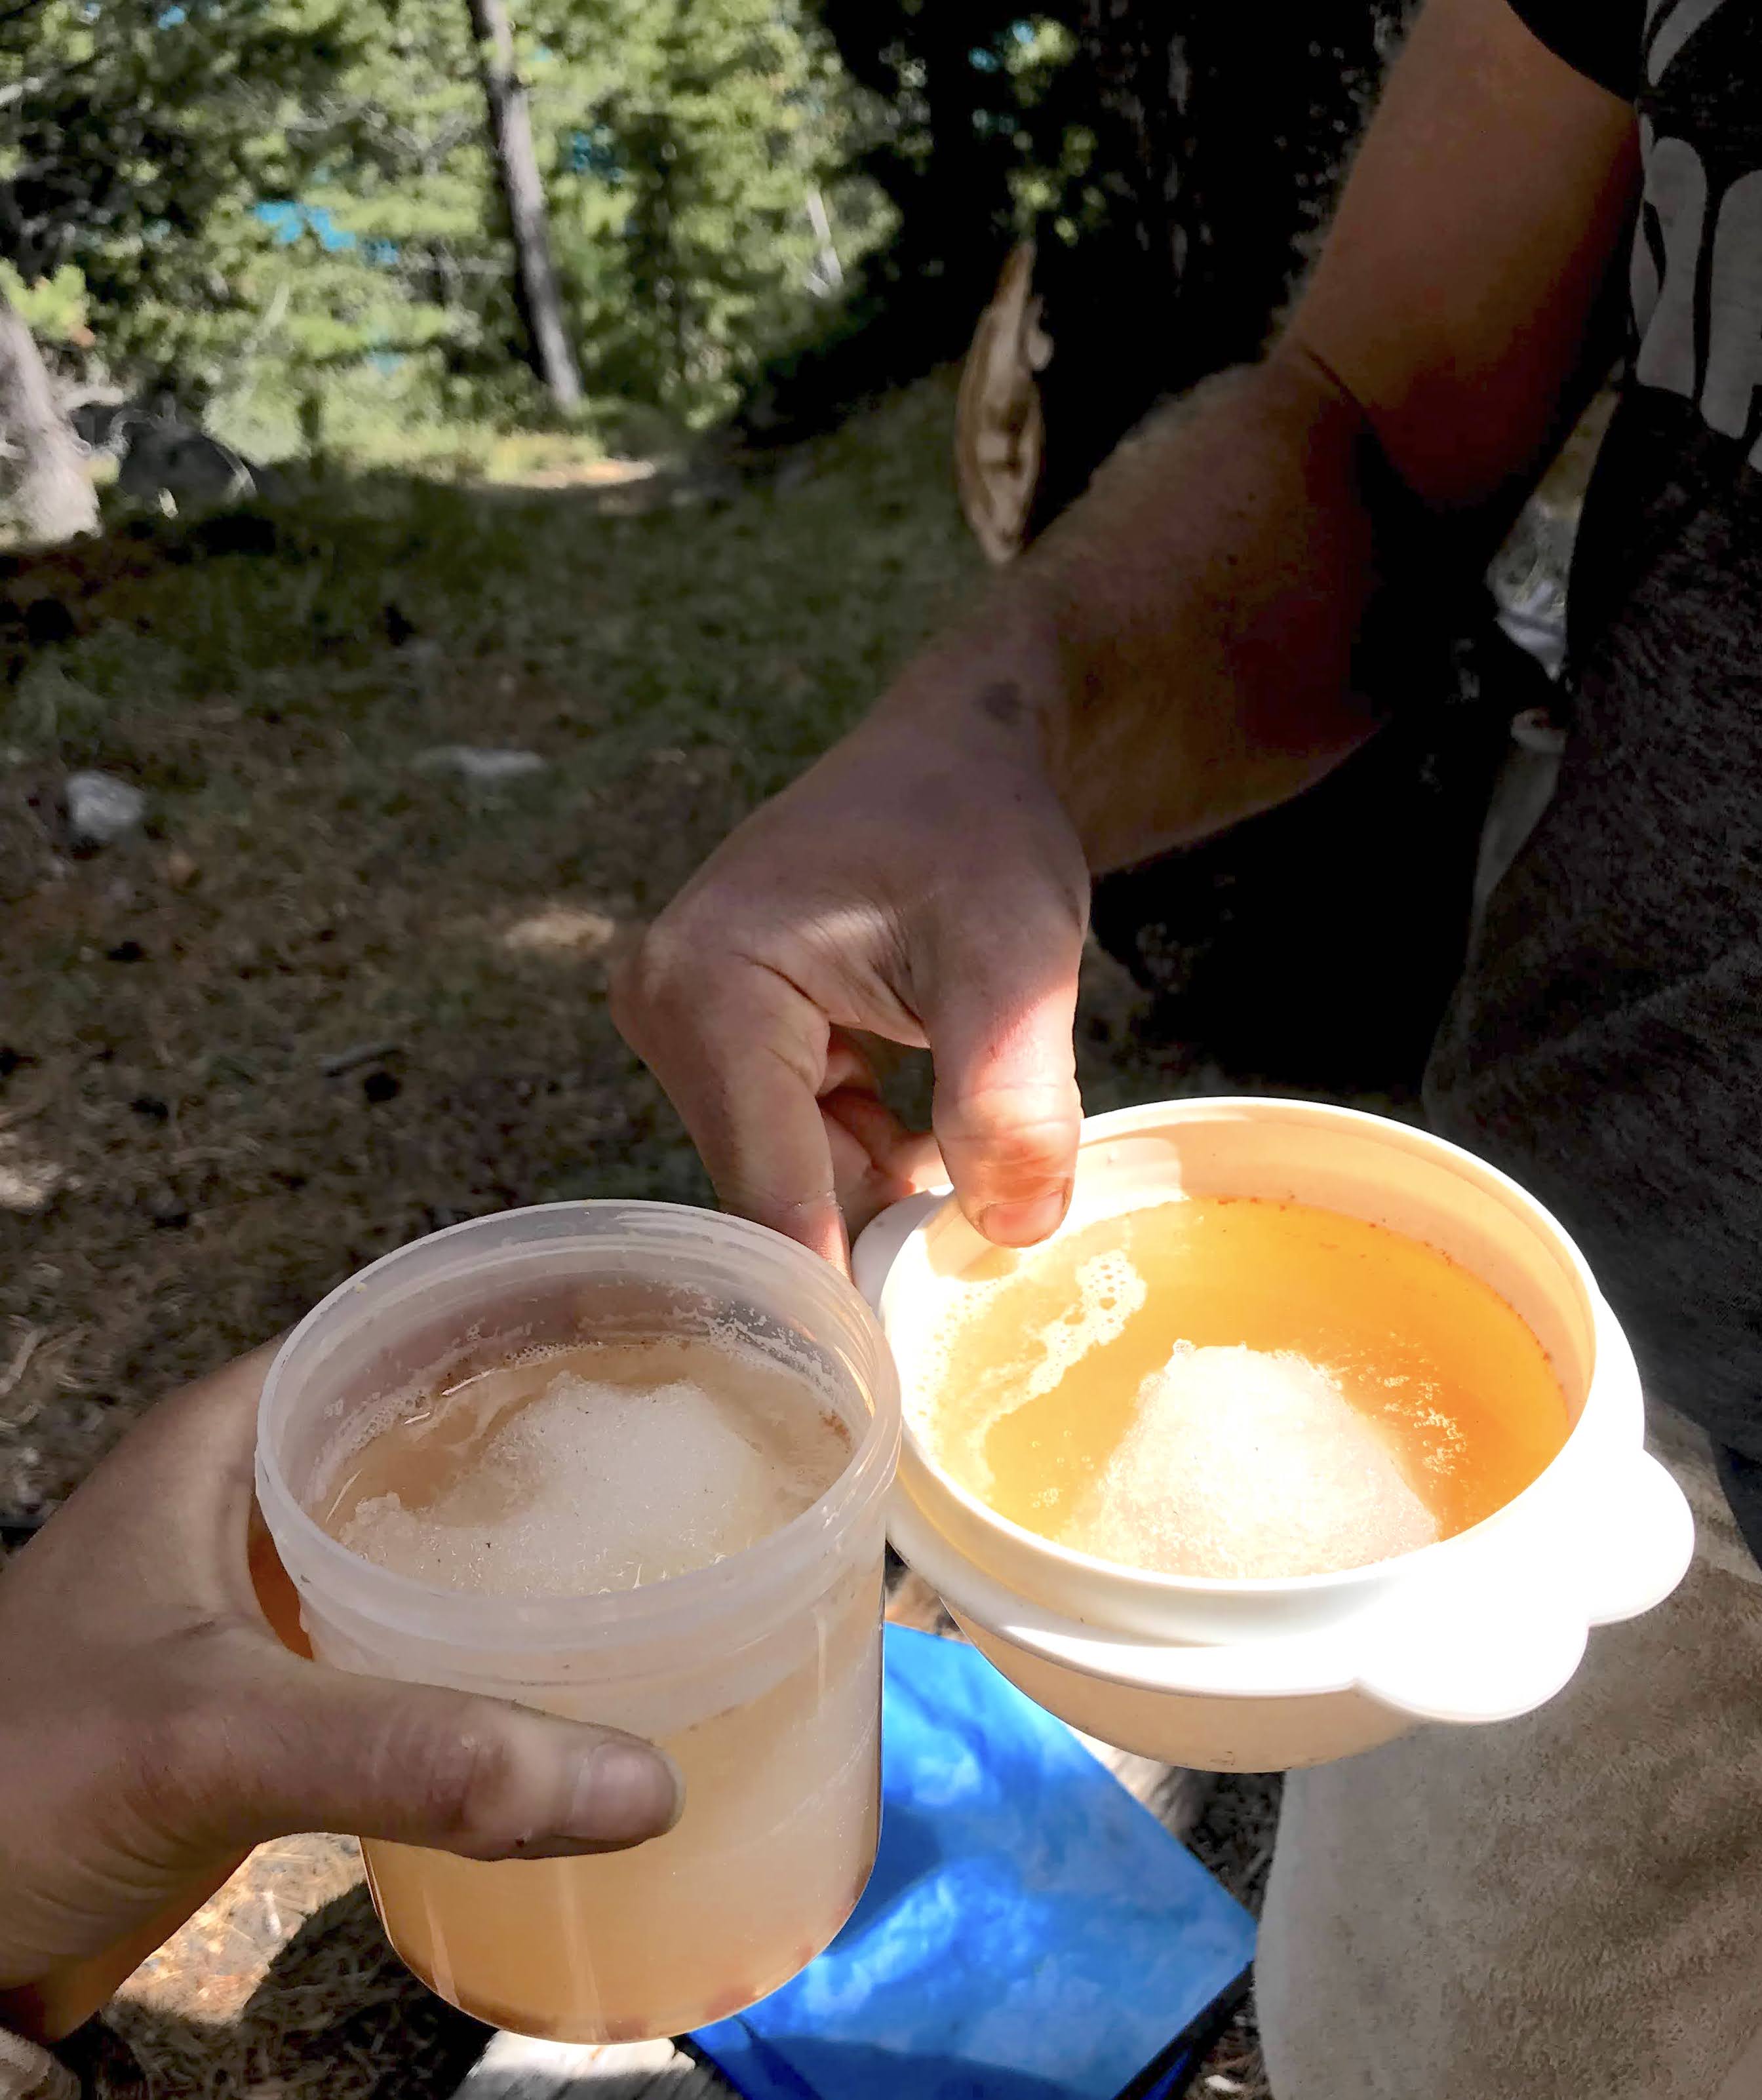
{"x":591,"y":1468}
{"x":1235,"y":1386}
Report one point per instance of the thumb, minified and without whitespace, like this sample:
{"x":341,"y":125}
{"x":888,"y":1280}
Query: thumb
{"x":321,"y":1749}
{"x":1007,"y":1112}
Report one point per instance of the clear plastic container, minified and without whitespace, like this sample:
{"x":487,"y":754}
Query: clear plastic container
{"x":760,"y":1674}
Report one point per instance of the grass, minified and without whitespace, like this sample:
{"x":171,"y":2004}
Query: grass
{"x":364,"y":421}
{"x":486,"y":455}
{"x":183,"y":1168}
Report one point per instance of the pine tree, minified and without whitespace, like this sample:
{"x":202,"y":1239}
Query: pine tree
{"x":301,"y":199}
{"x":702,"y":202}
{"x":135,"y":140}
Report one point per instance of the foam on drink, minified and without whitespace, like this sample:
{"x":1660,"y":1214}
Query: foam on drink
{"x":1268,"y":1442}
{"x":584,"y":1469}
{"x":601,"y":1467}
{"x":1228,"y":1386}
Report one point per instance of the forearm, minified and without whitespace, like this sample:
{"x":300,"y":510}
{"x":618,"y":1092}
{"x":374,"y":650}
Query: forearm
{"x":1219,"y":621}
{"x":1184,"y":648}
{"x":1244,"y":590}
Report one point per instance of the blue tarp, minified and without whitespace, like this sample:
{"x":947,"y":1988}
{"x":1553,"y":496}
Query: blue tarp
{"x":1030,"y":1932}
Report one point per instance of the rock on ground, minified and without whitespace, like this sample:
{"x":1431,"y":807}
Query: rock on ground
{"x":102,"y":809}
{"x":483,"y":765}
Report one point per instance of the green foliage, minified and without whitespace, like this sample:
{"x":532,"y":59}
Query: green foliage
{"x":975,"y":124}
{"x":756,"y":629}
{"x":687,"y":152}
{"x":686,"y":206}
{"x":134,"y":142}
{"x":977,"y":133}
{"x":54,"y":309}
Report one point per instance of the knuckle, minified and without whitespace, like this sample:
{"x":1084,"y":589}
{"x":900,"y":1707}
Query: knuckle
{"x":455,"y":1781}
{"x":658,"y":972}
{"x":635,"y":977}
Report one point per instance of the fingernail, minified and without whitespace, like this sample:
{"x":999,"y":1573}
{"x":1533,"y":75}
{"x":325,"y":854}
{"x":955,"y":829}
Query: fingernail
{"x":625,"y":1791}
{"x":1025,"y":1224}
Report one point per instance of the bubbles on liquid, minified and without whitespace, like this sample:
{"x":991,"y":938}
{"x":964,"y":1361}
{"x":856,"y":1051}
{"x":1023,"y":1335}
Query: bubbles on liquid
{"x":1241,"y":1462}
{"x":1109,"y":1291}
{"x":597,"y":1485}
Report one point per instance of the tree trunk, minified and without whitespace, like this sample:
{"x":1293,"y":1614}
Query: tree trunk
{"x":42,"y":470}
{"x":510,"y":127}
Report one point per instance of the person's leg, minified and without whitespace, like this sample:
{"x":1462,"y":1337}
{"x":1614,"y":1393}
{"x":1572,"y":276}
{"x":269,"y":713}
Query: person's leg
{"x":1567,"y":1906}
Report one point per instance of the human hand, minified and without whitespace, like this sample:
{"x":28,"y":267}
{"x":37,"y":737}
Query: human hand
{"x":153,"y":1727}
{"x":922,"y":883}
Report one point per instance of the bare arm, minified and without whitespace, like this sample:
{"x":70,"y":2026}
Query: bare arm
{"x":1184,"y":640}
{"x":1180,"y":651}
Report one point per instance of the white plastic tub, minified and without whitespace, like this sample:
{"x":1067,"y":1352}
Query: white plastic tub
{"x":1258,"y":1675}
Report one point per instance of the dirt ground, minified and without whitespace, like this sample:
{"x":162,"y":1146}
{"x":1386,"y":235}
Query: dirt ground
{"x":332,"y":995}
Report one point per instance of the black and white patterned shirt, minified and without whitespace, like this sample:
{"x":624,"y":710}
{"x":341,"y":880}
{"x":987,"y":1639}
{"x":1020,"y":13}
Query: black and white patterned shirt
{"x":1606,"y":1044}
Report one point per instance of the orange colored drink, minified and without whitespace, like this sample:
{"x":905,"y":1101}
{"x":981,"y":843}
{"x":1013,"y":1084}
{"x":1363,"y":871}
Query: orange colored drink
{"x":595,"y":1468}
{"x":1223,"y":1387}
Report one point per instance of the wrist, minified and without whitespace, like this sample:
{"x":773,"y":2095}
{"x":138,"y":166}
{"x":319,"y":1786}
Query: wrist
{"x":49,"y":1998}
{"x":990,"y":695}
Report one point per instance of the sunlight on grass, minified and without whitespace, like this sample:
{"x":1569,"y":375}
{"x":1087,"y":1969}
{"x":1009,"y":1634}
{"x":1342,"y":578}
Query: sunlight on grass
{"x":481,"y":455}
{"x":28,"y":1178}
{"x":562,"y":929}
